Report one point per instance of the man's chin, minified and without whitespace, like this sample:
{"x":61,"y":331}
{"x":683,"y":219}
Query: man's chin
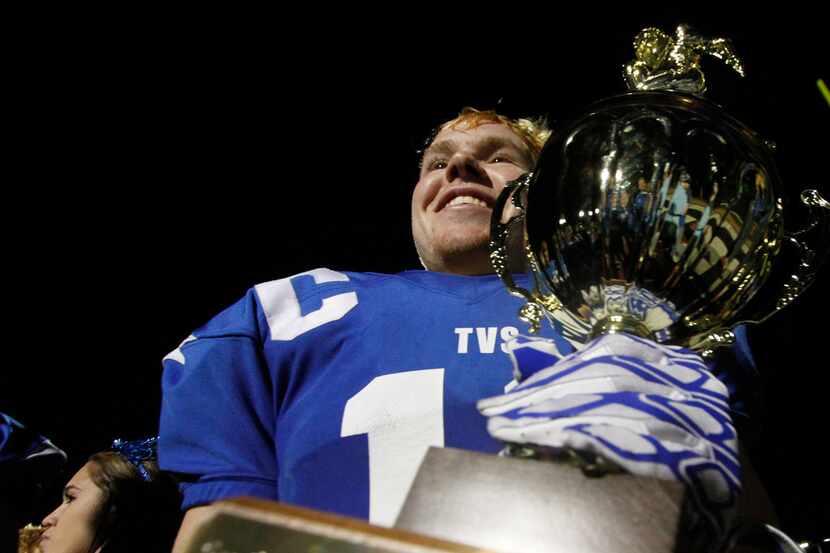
{"x":466,"y":246}
{"x":463,"y":258}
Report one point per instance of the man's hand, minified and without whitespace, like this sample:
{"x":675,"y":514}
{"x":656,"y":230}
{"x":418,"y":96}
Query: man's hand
{"x":653,"y":410}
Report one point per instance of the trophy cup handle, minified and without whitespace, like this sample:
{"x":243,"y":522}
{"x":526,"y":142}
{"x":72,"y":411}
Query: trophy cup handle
{"x":810,"y":245}
{"x":531,"y":313}
{"x":805,"y":249}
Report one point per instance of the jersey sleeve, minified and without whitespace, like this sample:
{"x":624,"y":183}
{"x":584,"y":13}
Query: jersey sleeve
{"x":218,"y":410}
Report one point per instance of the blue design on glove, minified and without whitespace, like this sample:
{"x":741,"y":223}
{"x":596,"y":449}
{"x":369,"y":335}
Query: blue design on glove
{"x":654,"y":410}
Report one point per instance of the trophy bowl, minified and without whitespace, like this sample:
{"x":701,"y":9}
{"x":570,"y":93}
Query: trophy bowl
{"x":659,"y":214}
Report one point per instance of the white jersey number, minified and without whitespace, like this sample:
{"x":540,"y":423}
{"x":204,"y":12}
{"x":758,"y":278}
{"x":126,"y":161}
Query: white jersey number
{"x":403,"y":414}
{"x":279,"y":302}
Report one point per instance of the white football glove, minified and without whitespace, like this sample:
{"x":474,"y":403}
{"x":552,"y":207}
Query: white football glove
{"x":653,"y":410}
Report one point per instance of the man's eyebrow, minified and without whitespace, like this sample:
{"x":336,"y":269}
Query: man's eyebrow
{"x":493,"y":143}
{"x":445,"y":147}
{"x":486,"y":145}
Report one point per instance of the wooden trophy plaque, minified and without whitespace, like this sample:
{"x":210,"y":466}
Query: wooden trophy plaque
{"x":465,"y":502}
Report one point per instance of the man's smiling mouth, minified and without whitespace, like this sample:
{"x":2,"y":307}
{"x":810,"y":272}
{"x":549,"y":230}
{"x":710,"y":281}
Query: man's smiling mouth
{"x":467,"y":200}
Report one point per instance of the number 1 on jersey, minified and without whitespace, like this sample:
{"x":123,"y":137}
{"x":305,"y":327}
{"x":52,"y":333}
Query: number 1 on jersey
{"x":403,"y":414}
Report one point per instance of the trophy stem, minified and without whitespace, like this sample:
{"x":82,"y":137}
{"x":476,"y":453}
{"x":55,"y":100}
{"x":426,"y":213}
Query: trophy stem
{"x":614,"y":324}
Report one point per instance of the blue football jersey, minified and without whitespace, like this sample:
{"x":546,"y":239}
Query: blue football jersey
{"x":325,"y":389}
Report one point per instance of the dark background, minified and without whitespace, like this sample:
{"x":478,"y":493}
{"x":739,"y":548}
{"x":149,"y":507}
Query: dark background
{"x":163,"y":164}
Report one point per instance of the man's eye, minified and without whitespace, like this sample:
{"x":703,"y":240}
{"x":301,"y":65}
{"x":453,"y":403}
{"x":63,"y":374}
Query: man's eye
{"x":501,"y":159}
{"x":437,"y":164}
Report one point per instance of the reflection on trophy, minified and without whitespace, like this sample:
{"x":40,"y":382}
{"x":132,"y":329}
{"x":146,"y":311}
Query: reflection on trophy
{"x":657,"y":213}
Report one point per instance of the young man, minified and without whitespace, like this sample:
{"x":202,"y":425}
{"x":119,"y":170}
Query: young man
{"x":325,"y":389}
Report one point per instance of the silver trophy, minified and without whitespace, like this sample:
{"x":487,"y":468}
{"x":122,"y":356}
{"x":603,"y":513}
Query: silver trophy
{"x":657,"y":213}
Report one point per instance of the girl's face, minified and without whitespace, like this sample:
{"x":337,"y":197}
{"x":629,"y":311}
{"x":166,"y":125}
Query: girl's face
{"x":71,"y":527}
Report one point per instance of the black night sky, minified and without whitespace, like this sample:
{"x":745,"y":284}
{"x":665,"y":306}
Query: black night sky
{"x":165,"y":166}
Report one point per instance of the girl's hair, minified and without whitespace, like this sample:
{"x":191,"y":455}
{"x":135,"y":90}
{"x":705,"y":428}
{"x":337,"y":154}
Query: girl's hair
{"x":138,"y":513}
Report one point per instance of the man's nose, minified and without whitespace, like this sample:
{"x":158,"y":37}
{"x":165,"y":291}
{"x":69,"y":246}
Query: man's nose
{"x":465,"y":167}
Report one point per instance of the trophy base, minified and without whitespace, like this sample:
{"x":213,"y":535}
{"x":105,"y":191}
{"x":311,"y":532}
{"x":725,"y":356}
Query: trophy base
{"x":512,"y":505}
{"x":614,"y":324}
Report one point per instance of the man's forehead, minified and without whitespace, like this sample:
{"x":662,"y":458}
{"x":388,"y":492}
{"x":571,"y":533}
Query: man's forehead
{"x":462,"y":132}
